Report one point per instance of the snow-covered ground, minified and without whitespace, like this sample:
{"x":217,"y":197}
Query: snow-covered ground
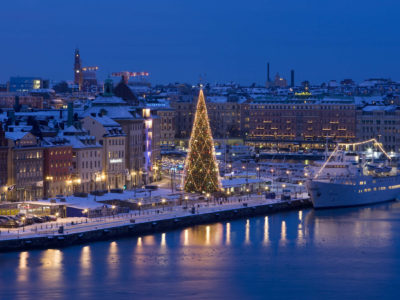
{"x":92,"y":202}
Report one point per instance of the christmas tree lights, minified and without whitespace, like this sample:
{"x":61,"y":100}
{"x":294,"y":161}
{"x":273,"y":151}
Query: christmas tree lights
{"x":201,"y":168}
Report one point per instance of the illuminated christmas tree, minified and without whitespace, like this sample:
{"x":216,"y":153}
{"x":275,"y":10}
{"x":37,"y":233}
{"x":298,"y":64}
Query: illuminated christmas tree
{"x":201,"y":168}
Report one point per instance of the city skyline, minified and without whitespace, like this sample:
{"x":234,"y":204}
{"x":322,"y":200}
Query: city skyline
{"x":216,"y":41}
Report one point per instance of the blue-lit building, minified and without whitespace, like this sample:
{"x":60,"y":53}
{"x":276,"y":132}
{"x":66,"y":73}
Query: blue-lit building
{"x":25,"y":84}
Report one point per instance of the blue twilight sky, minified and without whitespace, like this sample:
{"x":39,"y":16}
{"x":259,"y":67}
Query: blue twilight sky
{"x":222,"y":40}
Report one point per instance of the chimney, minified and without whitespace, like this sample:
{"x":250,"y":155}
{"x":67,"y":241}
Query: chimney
{"x":16,"y":103}
{"x":70,"y":114}
{"x":11,"y":116}
{"x":292,"y":78}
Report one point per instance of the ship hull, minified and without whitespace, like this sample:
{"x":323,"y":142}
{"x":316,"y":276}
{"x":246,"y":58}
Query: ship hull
{"x":374,"y":190}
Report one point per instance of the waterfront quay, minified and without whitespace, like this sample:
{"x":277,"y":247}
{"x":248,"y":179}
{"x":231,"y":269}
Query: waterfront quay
{"x":71,"y":231}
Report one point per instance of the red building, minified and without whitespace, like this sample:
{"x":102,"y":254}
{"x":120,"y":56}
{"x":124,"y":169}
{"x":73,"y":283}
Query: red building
{"x":57,"y":167}
{"x":8,"y":100}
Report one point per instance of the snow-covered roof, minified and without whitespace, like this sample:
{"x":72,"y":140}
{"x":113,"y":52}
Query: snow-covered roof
{"x":72,"y":129}
{"x":217,"y":99}
{"x":105,"y":121}
{"x":380,"y":108}
{"x":16,"y":135}
{"x":108,"y":100}
{"x":80,"y":142}
{"x":113,"y":112}
{"x":237,"y":182}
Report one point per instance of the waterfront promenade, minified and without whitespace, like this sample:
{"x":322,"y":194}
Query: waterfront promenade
{"x":77,"y":226}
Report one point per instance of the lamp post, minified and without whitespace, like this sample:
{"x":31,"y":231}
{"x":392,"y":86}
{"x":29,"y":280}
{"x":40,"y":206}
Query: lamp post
{"x":134,"y":186}
{"x":283,"y":187}
{"x":48,"y":179}
{"x":172,"y":171}
{"x":272,"y":177}
{"x":95,"y":183}
{"x":163,"y":201}
{"x":69,"y":183}
{"x":155,"y":173}
{"x":186,"y":201}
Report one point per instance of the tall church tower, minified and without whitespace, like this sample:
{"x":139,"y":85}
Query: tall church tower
{"x":78,"y":69}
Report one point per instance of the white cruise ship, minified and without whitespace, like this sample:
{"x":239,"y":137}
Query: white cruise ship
{"x":360,"y":182}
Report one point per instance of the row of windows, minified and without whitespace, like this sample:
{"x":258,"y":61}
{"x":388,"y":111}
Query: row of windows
{"x":378,"y":122}
{"x":91,"y":164}
{"x":29,"y":155}
{"x":58,"y":164}
{"x":60,"y":152}
{"x":116,"y":141}
{"x":306,"y":107}
{"x":93,"y":153}
{"x":115,"y":154}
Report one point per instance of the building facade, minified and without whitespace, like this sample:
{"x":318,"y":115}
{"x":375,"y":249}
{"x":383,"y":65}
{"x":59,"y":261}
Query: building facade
{"x":381,"y":123}
{"x":110,"y":135}
{"x":57,"y":167}
{"x":87,"y":175}
{"x":10,"y":100}
{"x":25,"y":167}
{"x":26,"y":84}
{"x":167,"y":127}
{"x":298,"y":123}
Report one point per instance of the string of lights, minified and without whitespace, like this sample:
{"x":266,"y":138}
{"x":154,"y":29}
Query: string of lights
{"x":201,"y":168}
{"x":376,"y":143}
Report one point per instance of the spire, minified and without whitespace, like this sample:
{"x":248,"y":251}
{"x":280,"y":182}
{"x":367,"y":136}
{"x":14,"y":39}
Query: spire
{"x":77,"y":68}
{"x":201,"y":168}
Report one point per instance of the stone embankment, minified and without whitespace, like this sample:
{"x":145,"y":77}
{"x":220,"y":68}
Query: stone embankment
{"x":147,"y":227}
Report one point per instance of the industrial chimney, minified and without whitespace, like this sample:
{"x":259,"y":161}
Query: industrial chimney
{"x":292,"y":78}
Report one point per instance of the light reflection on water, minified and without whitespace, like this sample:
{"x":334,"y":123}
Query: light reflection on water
{"x":23,"y":266}
{"x":113,"y":260}
{"x":303,"y":254}
{"x":247,"y":238}
{"x":228,"y":234}
{"x":51,"y":267}
{"x":266,"y":231}
{"x":283,"y":232}
{"x":85,"y":261}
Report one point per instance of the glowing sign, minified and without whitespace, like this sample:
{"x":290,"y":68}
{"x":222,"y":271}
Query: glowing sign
{"x":115,"y":160}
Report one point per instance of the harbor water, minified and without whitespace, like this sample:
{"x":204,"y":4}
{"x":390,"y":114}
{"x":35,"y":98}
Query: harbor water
{"x":351,"y":253}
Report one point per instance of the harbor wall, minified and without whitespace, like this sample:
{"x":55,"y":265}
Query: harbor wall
{"x":137,"y":229}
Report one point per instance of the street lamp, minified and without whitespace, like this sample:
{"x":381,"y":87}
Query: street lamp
{"x":272,"y":177}
{"x":133,"y":174}
{"x":163,"y":201}
{"x":186,"y":200}
{"x":155,"y":173}
{"x":47,"y":185}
